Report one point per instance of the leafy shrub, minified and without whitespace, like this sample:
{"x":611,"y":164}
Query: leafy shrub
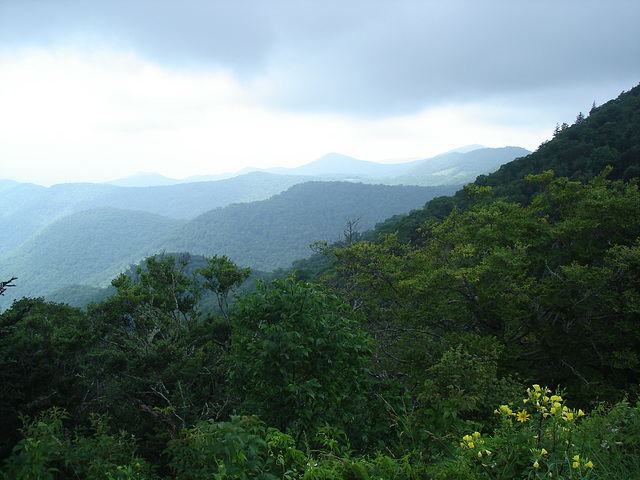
{"x":298,"y":356}
{"x":49,"y":452}
{"x":242,"y":448}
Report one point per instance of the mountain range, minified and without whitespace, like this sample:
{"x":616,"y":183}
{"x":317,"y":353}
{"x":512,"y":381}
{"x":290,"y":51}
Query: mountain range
{"x":454,"y":167}
{"x":84,"y":233}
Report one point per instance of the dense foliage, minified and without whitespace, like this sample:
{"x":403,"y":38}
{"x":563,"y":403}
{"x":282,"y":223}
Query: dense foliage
{"x":554,"y":283}
{"x":297,"y":357}
{"x":502,"y":342}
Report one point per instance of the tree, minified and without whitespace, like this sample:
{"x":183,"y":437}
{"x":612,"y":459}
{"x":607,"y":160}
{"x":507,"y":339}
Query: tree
{"x":43,"y":348}
{"x":157,"y":366}
{"x":545,"y":280}
{"x":298,"y":356}
{"x":351,"y":233}
{"x":6,"y":284}
{"x":222,"y":276}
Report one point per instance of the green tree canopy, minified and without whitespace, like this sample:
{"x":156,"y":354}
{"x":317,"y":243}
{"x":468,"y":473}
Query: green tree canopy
{"x":555,"y":282}
{"x":158,"y":363}
{"x":43,"y":348}
{"x":298,"y":356}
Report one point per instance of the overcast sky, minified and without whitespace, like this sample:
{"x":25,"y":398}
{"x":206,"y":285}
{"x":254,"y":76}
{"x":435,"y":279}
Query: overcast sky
{"x":99,"y":90}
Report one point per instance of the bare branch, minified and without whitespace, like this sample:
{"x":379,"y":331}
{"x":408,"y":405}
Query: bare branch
{"x":7,"y":284}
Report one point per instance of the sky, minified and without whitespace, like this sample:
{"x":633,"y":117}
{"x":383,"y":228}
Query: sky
{"x":97,"y":90}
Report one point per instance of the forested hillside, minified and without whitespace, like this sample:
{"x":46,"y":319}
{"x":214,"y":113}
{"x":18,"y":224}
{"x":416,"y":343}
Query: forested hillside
{"x":272,"y":233}
{"x":87,"y":247}
{"x":92,"y":246}
{"x":26,"y":208}
{"x":490,"y":335}
{"x":457,"y":168}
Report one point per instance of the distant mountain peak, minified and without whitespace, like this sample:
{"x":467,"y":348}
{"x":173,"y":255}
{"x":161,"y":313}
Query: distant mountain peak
{"x":335,"y":156}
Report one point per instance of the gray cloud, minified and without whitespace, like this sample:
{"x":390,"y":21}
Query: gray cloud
{"x":178,"y":34}
{"x":371,"y":58}
{"x":405,"y":59}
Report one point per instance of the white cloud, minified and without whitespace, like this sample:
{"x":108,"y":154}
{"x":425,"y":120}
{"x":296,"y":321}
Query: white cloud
{"x":96,"y":115}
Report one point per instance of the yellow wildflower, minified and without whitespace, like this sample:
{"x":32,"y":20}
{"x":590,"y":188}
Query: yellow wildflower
{"x":523,"y":416}
{"x":589,"y":464}
{"x":504,"y":410}
{"x":543,"y":452}
{"x":536,"y":387}
{"x":556,"y":398}
{"x":580,"y":413}
{"x":476,"y":435}
{"x":536,"y":464}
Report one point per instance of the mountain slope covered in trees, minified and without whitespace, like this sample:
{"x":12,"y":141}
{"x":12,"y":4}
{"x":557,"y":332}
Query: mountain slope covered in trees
{"x":272,"y":233}
{"x":26,"y":208}
{"x":87,"y":247}
{"x":91,"y":246}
